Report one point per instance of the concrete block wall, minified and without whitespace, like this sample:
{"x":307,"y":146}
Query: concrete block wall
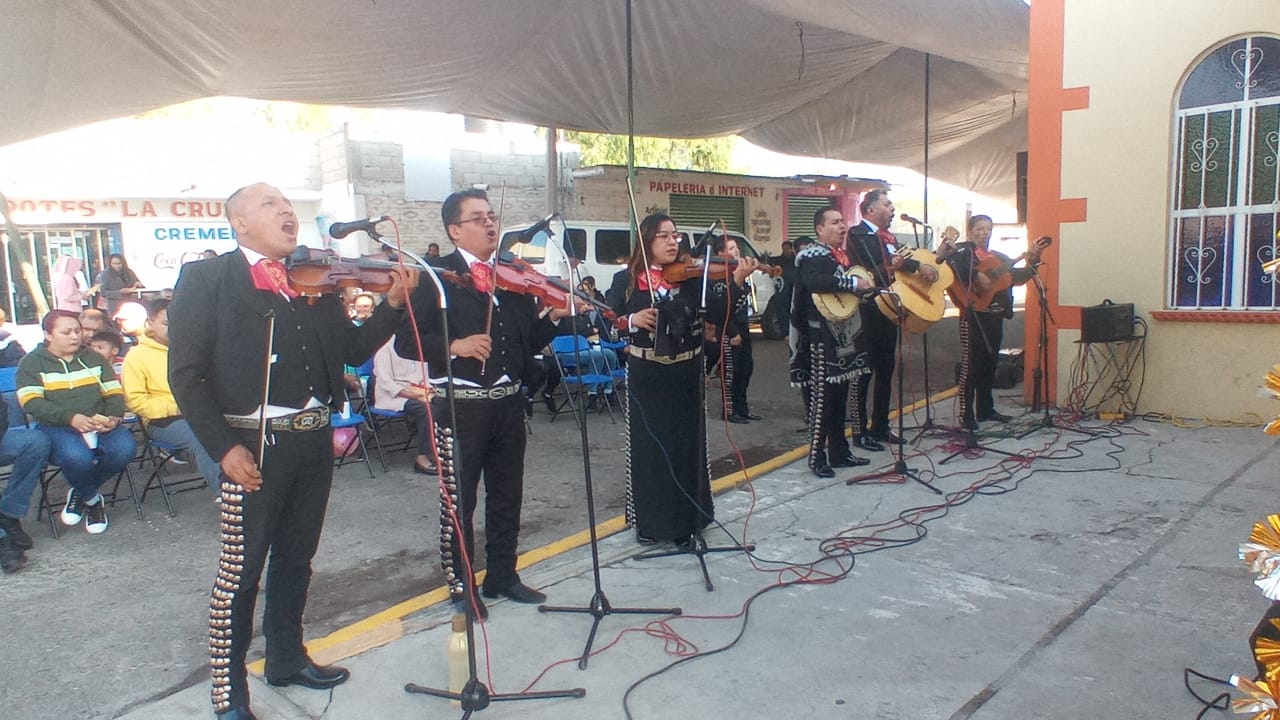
{"x":377,"y":174}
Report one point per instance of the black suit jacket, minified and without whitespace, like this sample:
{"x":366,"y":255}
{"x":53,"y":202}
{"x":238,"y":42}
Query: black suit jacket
{"x":517,"y":331}
{"x":866,"y":249}
{"x":218,"y":343}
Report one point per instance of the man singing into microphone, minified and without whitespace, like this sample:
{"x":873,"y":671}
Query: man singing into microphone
{"x":872,"y":246}
{"x":272,"y":504}
{"x":493,"y":335}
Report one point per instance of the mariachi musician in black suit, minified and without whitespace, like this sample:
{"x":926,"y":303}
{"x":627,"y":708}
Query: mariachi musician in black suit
{"x":490,"y":358}
{"x":274,"y":503}
{"x":871,"y":245}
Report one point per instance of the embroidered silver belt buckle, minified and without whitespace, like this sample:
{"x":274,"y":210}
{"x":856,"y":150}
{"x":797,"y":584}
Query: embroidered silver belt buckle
{"x":496,"y":392}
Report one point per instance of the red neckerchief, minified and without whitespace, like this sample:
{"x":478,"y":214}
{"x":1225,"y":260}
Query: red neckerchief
{"x":981,"y":253}
{"x":652,"y":280}
{"x":270,"y":275}
{"x":841,"y":256}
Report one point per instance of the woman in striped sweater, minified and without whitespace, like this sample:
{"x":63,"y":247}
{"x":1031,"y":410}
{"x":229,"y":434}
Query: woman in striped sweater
{"x":75,"y":397}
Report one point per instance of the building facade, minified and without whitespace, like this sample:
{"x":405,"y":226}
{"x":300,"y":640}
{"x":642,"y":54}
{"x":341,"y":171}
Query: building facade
{"x":1153,"y":163}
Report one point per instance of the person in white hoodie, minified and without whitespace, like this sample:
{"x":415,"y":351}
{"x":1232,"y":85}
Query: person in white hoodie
{"x":399,"y":384}
{"x":147,"y":394}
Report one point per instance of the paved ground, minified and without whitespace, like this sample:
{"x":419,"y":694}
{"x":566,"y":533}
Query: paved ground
{"x":99,"y":626}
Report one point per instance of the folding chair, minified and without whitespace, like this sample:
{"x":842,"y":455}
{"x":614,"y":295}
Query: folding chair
{"x":576,"y":377}
{"x":361,"y":423}
{"x":161,"y":455}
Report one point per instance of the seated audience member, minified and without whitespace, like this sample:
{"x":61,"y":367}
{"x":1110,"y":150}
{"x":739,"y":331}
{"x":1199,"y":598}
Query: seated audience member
{"x":11,"y":351}
{"x":147,"y":394}
{"x":94,"y":321}
{"x":108,"y":344}
{"x":398,"y":385}
{"x":75,"y":396}
{"x":595,"y":359}
{"x":362,"y":307}
{"x":27,"y":451}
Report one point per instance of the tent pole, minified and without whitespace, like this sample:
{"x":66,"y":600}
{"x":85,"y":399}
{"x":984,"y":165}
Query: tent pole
{"x":631,"y":124}
{"x":926,"y":138}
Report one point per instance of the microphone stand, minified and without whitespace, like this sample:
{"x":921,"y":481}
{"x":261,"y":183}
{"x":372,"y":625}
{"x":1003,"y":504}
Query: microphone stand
{"x":474,"y":695}
{"x":899,"y":468}
{"x":1040,"y":384}
{"x":697,"y":541}
{"x":928,"y":425}
{"x":598,"y":607}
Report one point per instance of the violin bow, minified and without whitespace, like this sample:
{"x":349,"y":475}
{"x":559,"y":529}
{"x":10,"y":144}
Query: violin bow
{"x":266,"y":388}
{"x":644,"y":251}
{"x":493,"y":283}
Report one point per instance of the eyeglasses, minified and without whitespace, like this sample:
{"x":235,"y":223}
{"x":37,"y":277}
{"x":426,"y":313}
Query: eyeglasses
{"x":482,"y":219}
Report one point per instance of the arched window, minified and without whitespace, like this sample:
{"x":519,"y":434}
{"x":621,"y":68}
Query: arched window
{"x":1226,"y":194}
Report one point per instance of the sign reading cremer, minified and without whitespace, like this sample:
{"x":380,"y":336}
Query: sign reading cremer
{"x":193,"y":232}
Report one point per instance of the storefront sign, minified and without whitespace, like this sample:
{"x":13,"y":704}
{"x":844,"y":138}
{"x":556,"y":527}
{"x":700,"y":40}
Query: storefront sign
{"x":707,"y":188}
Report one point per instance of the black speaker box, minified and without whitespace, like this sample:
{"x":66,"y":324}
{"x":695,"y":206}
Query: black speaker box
{"x":1108,"y":322}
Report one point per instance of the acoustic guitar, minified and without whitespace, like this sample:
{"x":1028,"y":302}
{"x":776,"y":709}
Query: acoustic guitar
{"x":914,"y":300}
{"x":999,"y":270}
{"x":840,"y":306}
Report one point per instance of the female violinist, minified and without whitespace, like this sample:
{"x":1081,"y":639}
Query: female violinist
{"x":668,"y":488}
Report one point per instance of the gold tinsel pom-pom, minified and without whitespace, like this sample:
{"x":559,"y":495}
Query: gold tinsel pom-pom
{"x":1262,"y":555}
{"x":1261,"y":703}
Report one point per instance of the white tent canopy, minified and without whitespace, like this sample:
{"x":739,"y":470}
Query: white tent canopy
{"x":824,"y":78}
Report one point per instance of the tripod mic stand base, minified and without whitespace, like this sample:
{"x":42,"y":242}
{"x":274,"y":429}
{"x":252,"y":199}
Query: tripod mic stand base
{"x":475,"y":696}
{"x":698,"y":548}
{"x":1050,"y":421}
{"x":971,"y":443}
{"x":598,"y":609}
{"x":899,"y":469}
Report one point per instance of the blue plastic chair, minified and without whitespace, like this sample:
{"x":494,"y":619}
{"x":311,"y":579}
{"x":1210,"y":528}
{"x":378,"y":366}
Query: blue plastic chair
{"x":573,"y":378}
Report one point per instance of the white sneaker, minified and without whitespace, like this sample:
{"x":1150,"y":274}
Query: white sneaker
{"x":73,"y":511}
{"x":95,"y":516}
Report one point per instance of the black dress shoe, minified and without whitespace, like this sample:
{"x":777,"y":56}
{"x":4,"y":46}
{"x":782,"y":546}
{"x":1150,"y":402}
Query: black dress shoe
{"x":736,"y":419}
{"x":746,"y":413}
{"x":316,"y":677}
{"x":460,"y":606}
{"x":997,"y":416}
{"x":518,"y":592}
{"x":866,"y":443}
{"x":889,"y":437}
{"x":550,"y":402}
{"x":237,"y":713}
{"x":823,"y":470}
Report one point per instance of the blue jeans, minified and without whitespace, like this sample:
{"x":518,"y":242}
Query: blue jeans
{"x":597,"y":361}
{"x":179,"y":434}
{"x":28,"y":451}
{"x":85,"y":469}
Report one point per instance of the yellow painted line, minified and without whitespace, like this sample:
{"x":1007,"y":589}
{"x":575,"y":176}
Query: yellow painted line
{"x":385,"y":626}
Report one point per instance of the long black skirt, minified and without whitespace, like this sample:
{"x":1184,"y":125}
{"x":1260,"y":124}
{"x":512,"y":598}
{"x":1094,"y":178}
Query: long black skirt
{"x":668,"y":478}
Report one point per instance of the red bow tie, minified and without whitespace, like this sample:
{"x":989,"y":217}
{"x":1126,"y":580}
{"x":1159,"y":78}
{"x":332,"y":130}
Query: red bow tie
{"x":270,"y":275}
{"x":482,"y":277}
{"x":652,"y":280}
{"x":886,"y":237}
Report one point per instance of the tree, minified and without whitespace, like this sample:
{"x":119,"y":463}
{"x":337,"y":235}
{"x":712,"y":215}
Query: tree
{"x":707,"y":154}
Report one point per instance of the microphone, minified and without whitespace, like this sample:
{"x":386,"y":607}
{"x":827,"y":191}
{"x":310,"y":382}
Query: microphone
{"x":907,"y":218}
{"x":526,"y":235}
{"x":339,"y":230}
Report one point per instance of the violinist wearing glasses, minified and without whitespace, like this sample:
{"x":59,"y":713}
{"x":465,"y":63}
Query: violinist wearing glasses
{"x":272,"y":503}
{"x":668,"y":488}
{"x":493,"y":335}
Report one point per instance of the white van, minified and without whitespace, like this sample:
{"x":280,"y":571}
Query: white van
{"x":604,"y":247}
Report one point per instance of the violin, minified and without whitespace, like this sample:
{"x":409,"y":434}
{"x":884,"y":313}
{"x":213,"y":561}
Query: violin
{"x":720,"y":269}
{"x":513,"y":274}
{"x":315,"y":272}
